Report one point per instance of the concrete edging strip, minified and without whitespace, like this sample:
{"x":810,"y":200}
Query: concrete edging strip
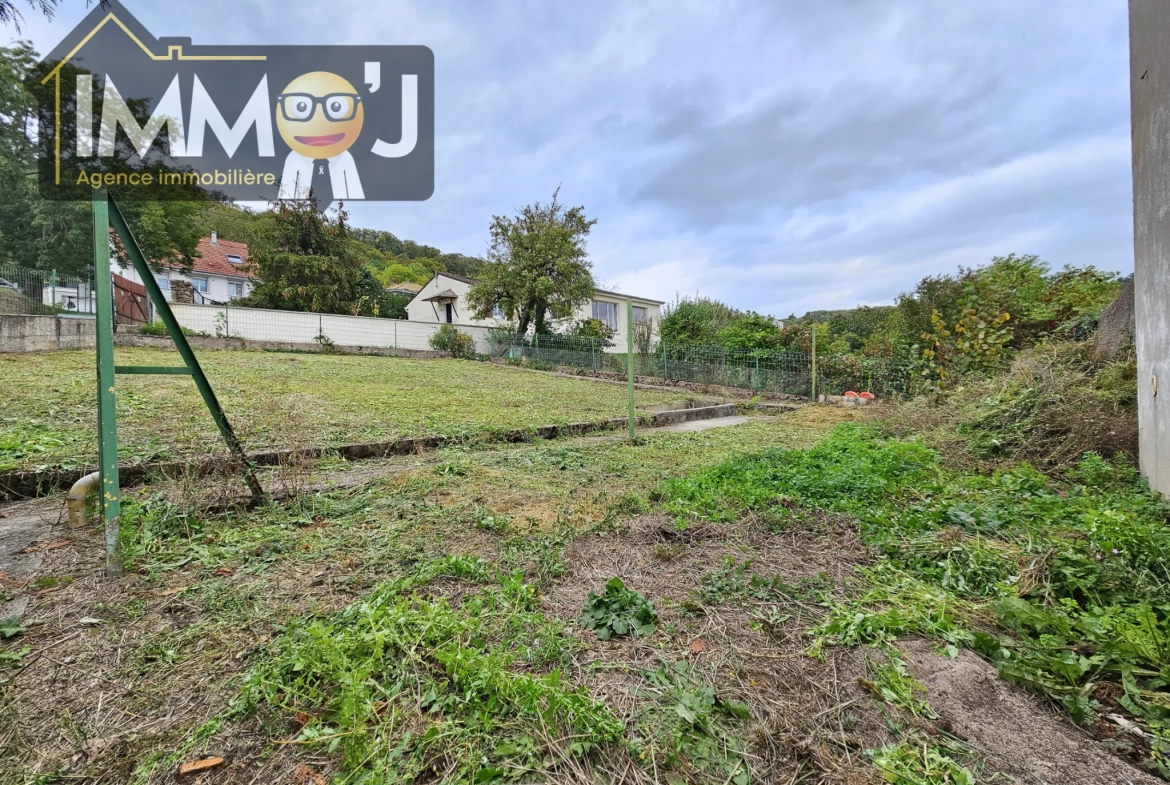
{"x":27,"y":483}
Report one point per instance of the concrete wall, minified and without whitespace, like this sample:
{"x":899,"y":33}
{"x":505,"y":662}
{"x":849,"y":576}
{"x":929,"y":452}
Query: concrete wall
{"x":260,"y":324}
{"x":1149,"y":34}
{"x":25,"y":333}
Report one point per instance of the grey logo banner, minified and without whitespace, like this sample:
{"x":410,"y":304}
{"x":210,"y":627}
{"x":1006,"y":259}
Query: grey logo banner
{"x":160,"y":118}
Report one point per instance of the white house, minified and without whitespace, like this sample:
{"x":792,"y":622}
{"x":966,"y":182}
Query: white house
{"x":444,"y":300}
{"x":218,"y":275}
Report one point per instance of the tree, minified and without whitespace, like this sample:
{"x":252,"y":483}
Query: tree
{"x":35,"y":232}
{"x":308,"y":265}
{"x":537,"y":268}
{"x":695,"y":320}
{"x":751,"y":331}
{"x":10,"y":14}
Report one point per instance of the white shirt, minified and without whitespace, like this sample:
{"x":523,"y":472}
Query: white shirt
{"x":298,"y":177}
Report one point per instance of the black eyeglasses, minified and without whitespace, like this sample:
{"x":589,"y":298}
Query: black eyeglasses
{"x":300,"y":107}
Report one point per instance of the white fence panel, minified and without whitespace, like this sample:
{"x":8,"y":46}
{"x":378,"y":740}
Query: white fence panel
{"x":260,"y":324}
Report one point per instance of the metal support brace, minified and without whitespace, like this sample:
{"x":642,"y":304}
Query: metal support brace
{"x":105,"y":215}
{"x":184,"y":347}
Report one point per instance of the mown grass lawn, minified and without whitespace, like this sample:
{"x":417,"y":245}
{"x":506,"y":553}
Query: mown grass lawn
{"x":48,"y":410}
{"x":207,"y":600}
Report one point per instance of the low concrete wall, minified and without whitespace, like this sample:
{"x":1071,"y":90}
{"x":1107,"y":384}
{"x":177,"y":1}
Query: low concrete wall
{"x":44,"y":333}
{"x":26,"y":483}
{"x":687,"y":415}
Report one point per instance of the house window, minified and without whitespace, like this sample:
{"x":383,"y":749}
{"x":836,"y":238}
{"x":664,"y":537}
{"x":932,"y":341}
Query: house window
{"x":450,"y":313}
{"x":497,"y":311}
{"x":163,"y":281}
{"x":234,"y":259}
{"x":640,"y":315}
{"x":235,"y":289}
{"x":606,"y":313}
{"x":199,"y":284}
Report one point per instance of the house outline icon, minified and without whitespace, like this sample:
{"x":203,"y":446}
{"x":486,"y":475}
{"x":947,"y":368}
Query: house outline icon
{"x":174,"y":52}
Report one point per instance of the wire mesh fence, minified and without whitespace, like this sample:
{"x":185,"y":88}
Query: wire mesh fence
{"x":26,"y":290}
{"x":774,"y":371}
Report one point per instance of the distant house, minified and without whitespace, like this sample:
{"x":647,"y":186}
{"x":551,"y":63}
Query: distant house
{"x":444,"y":300}
{"x":219,"y":274}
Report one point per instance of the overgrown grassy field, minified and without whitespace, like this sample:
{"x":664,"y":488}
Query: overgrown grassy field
{"x":48,"y":410}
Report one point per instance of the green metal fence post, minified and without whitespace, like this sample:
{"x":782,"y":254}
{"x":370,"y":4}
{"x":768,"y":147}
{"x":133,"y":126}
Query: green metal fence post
{"x":813,"y":397}
{"x":756,"y":377}
{"x":593,"y":354}
{"x":630,"y":360}
{"x":665,"y":367}
{"x":110,"y":488}
{"x":54,"y":291}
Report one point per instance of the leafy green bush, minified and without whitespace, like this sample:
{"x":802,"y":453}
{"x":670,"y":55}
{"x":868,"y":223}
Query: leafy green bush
{"x":619,"y":611}
{"x":592,"y":333}
{"x":457,"y":344}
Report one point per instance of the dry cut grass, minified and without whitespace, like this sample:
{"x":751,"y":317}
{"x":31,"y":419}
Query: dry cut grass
{"x":276,"y":400}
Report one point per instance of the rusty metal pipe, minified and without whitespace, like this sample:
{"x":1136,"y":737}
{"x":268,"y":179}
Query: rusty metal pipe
{"x":75,"y":501}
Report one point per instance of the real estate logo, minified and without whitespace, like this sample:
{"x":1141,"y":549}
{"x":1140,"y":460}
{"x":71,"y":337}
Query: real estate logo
{"x":153,"y":118}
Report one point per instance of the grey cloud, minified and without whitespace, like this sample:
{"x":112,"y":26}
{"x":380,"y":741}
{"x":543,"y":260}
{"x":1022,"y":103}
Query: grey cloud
{"x":756,"y":149}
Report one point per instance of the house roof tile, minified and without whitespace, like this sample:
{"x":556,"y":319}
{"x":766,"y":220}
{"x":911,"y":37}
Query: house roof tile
{"x":213,"y":259}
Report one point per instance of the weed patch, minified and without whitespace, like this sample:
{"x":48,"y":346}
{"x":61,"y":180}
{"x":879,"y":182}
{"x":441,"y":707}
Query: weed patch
{"x":362,"y":676}
{"x":1062,"y":584}
{"x":619,"y":611}
{"x":691,"y":726}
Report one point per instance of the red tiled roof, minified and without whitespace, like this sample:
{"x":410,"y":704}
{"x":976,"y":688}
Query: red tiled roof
{"x":214,"y":258}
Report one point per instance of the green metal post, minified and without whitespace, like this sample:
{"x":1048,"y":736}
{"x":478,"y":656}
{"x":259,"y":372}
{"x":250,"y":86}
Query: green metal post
{"x":665,"y":367}
{"x":54,"y":288}
{"x":630,"y":360}
{"x":183,"y":347}
{"x":593,"y":354}
{"x":111,"y":492}
{"x":814,"y":364}
{"x":756,"y":378}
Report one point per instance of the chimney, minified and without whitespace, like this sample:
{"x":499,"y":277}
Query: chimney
{"x":214,"y":238}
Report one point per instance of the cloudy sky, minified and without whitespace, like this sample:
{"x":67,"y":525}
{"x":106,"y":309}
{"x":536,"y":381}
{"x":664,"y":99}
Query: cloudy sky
{"x":781,"y":155}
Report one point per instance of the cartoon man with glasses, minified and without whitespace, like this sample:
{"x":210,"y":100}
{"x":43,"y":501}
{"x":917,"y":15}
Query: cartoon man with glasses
{"x":319,"y":115}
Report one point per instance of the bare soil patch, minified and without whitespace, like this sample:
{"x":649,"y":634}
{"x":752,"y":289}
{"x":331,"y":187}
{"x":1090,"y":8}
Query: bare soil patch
{"x":811,"y":720}
{"x":1026,"y":736}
